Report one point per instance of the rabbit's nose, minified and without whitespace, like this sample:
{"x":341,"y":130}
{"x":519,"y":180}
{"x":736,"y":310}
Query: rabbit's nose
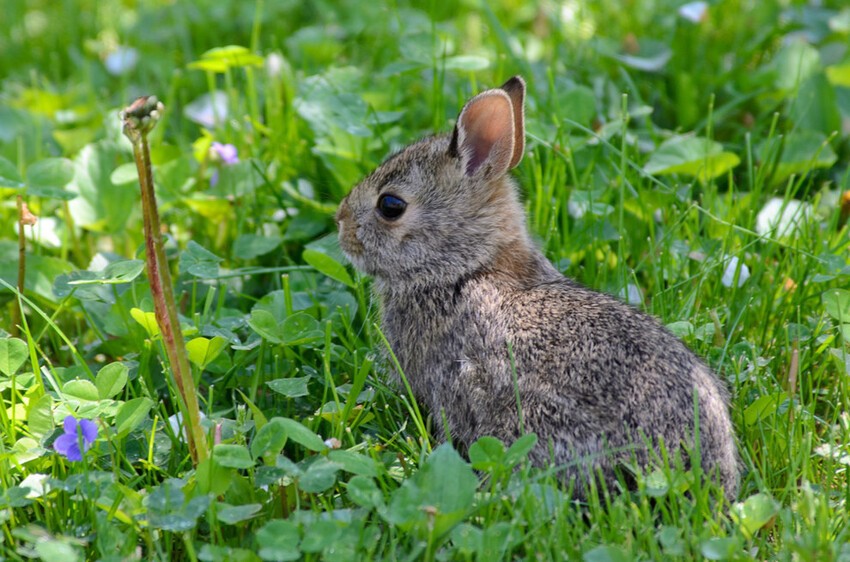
{"x":343,"y":212}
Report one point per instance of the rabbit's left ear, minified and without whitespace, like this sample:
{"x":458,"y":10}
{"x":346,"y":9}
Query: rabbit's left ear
{"x":483,"y":138}
{"x":489,"y":136}
{"x":515,"y":88}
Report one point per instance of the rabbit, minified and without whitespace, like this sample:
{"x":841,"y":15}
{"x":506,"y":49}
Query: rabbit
{"x":494,"y":340}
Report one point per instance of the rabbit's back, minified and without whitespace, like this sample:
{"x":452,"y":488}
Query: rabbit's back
{"x":596,"y":379}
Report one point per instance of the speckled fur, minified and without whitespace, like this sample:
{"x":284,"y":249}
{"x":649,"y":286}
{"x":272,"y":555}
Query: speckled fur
{"x":459,"y":278}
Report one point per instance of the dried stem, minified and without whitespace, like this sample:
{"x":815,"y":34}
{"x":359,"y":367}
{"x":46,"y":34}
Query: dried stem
{"x":139,"y":119}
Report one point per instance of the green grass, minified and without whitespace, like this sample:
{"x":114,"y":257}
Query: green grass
{"x":654,"y":143}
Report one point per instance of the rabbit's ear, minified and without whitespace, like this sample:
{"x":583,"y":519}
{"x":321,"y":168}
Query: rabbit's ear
{"x":515,"y":88}
{"x":484,"y":135}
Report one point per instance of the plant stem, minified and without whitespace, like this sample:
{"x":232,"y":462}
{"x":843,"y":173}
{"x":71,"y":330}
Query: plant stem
{"x":139,"y":119}
{"x":17,"y":311}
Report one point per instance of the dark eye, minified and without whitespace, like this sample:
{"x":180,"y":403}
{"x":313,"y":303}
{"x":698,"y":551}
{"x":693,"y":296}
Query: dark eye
{"x":390,"y":206}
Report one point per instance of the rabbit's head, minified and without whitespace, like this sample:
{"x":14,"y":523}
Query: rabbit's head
{"x":444,"y":206}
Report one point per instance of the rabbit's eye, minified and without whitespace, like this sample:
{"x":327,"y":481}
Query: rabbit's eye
{"x":390,"y":206}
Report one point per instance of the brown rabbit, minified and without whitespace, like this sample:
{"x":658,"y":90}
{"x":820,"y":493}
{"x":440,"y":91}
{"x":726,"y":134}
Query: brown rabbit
{"x":441,"y":229}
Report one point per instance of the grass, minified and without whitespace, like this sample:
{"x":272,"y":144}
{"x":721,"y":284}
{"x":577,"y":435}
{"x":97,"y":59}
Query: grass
{"x":655,"y":145}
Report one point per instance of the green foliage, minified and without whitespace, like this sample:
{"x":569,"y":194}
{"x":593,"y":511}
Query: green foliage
{"x":660,"y":139}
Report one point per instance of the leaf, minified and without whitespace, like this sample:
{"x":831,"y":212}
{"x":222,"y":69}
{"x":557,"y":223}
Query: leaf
{"x":168,"y":509}
{"x":519,"y":450}
{"x":111,"y":379}
{"x":101,"y":206}
{"x":328,"y":106}
{"x":147,"y":321}
{"x":40,"y":416}
{"x":250,"y":246}
{"x":327,"y":265}
{"x":124,"y":174}
{"x":298,"y":329}
{"x":259,"y":418}
{"x":487,"y":454}
{"x":264,"y":323}
{"x":48,"y":178}
{"x":213,"y":478}
{"x":301,"y":329}
{"x":80,"y":390}
{"x":836,"y":302}
{"x":798,"y":153}
{"x":300,"y":434}
{"x":448,"y":482}
{"x":719,"y":548}
{"x":278,"y":540}
{"x":325,"y":256}
{"x":53,"y":550}
{"x":269,"y":440}
{"x":445,"y":486}
{"x":233,"y":456}
{"x":763,"y":406}
{"x":221,"y":59}
{"x":41,"y":271}
{"x":26,"y":449}
{"x":754,"y":513}
{"x":13,"y":353}
{"x":198,"y":261}
{"x":232,"y":514}
{"x":319,"y":476}
{"x":693,"y":156}
{"x":681,"y":329}
{"x":9,"y":176}
{"x":291,"y":388}
{"x":215,"y":209}
{"x":795,"y":62}
{"x":355,"y":463}
{"x":123,"y":271}
{"x":321,"y":534}
{"x":131,"y":414}
{"x":839,"y":74}
{"x":467,"y":538}
{"x":606,"y":553}
{"x":814,"y":107}
{"x":363,"y":492}
{"x":203,"y":351}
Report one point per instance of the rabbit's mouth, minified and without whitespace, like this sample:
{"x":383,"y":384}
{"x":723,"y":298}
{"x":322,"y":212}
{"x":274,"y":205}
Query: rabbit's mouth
{"x":348,"y":241}
{"x":347,"y":227}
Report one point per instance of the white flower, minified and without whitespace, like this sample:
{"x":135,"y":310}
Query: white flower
{"x":694,"y":11}
{"x":35,"y":483}
{"x":729,"y":273}
{"x":121,"y":61}
{"x":631,"y":294}
{"x":208,"y":109}
{"x":176,"y":423}
{"x":782,"y":218}
{"x":274,"y":64}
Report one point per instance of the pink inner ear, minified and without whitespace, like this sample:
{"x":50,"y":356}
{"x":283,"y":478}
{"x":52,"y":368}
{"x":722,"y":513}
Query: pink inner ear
{"x":487,"y":122}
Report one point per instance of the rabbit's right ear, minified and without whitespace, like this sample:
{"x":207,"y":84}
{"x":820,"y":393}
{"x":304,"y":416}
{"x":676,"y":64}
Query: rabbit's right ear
{"x":484,"y":135}
{"x":515,"y":88}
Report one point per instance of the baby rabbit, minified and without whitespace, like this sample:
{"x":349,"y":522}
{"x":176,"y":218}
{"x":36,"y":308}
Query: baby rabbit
{"x":441,"y":229}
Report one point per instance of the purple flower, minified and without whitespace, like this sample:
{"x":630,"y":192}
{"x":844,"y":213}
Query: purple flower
{"x":227,"y":153}
{"x":68,"y":444}
{"x":224,"y":153}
